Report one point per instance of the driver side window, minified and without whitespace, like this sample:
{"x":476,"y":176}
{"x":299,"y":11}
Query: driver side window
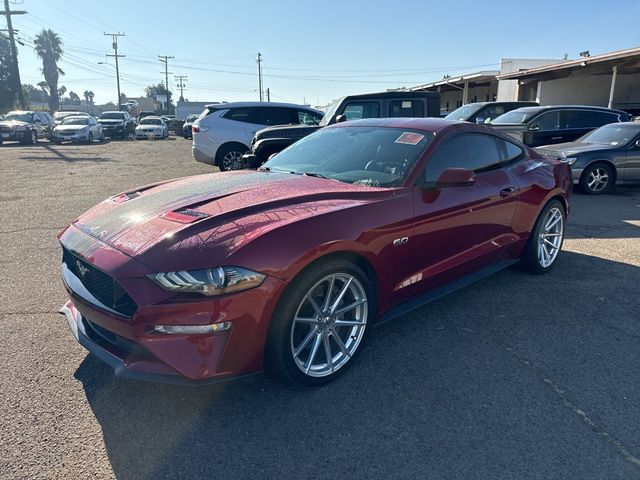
{"x":475,"y":151}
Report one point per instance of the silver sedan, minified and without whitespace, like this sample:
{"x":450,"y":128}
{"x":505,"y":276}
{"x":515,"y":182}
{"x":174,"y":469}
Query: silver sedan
{"x":78,"y":129}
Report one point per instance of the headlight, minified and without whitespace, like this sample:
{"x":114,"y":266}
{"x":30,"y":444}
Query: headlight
{"x":20,"y":128}
{"x":212,"y":281}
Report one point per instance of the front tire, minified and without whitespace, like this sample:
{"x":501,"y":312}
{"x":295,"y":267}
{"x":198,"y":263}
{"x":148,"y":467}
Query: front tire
{"x":320,"y":324}
{"x":90,"y":139}
{"x":597,"y":179}
{"x":545,"y":240}
{"x":33,"y":139}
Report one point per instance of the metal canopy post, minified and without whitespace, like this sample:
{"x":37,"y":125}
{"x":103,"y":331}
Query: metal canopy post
{"x":612,"y":92}
{"x":465,"y":93}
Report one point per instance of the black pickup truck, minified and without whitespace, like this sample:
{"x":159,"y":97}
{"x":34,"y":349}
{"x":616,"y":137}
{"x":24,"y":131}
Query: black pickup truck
{"x":353,"y":107}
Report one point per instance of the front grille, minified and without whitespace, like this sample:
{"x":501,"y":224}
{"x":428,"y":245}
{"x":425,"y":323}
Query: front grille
{"x":4,"y":129}
{"x":99,"y":284}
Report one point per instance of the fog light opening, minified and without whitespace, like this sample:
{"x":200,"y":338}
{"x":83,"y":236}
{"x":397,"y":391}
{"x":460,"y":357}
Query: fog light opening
{"x":190,"y":329}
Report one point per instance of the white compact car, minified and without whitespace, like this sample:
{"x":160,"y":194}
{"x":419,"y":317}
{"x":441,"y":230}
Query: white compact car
{"x":77,"y":129}
{"x":152,"y":127}
{"x":223,"y":132}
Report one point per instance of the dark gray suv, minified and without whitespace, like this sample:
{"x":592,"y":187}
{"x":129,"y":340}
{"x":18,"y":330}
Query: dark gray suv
{"x":25,"y":126}
{"x":547,"y":125}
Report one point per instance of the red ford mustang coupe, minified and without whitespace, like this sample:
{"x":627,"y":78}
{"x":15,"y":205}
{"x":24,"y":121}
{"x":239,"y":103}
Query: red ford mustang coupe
{"x":287,"y":268}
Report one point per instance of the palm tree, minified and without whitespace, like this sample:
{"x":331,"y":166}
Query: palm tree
{"x":48,"y":47}
{"x":88,"y":96}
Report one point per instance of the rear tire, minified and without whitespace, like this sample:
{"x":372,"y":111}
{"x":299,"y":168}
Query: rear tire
{"x":229,"y":157}
{"x":316,"y":331}
{"x":545,"y":240}
{"x":597,"y":178}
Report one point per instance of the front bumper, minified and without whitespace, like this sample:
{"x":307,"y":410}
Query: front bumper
{"x":143,"y":135}
{"x":133,"y":350}
{"x":13,"y":136}
{"x":77,"y":137}
{"x":109,"y":131}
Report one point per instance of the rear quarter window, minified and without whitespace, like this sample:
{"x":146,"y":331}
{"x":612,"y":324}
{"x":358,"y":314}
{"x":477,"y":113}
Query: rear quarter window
{"x":406,"y":108}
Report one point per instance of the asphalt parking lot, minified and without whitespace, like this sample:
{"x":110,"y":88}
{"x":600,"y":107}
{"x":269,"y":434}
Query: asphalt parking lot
{"x":517,"y":377}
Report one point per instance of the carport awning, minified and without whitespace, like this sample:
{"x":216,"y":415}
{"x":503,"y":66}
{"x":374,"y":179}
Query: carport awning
{"x":627,"y":61}
{"x":486,"y":76}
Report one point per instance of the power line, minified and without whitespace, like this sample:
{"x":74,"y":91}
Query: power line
{"x":17,"y":83}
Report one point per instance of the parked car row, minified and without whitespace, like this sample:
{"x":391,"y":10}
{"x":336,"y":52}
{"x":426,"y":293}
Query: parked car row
{"x":31,"y":126}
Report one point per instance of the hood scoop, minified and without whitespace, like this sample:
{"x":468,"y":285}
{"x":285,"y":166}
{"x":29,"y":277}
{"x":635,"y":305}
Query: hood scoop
{"x":185,"y":215}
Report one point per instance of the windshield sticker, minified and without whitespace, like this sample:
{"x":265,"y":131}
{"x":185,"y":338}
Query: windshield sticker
{"x":410,"y":138}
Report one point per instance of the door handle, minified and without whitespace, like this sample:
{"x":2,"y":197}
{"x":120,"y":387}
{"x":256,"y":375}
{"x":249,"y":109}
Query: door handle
{"x":505,"y":192}
{"x":556,"y":138}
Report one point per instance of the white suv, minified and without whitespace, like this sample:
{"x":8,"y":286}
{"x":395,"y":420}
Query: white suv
{"x":223,"y":131}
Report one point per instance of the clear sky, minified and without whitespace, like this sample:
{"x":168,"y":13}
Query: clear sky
{"x":313,"y":51}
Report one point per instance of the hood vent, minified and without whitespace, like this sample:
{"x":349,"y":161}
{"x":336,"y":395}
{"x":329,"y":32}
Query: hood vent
{"x":185,"y":215}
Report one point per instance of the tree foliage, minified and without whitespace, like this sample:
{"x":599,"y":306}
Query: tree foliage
{"x":48,"y":47}
{"x":7,"y":80}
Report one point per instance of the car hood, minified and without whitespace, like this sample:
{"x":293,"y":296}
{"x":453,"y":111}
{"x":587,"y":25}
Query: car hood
{"x":143,"y":126}
{"x":13,"y":123}
{"x":570,"y":149}
{"x":69,"y":128}
{"x":286,"y":131}
{"x":217,"y":213}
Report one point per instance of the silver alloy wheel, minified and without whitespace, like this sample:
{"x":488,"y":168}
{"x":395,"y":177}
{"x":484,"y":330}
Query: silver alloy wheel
{"x":232,"y":160}
{"x":550,"y":237}
{"x":329,"y":325}
{"x":598,"y":179}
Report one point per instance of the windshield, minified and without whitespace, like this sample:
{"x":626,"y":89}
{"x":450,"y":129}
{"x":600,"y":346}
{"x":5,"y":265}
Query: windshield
{"x":61,"y":115}
{"x":373,"y":156}
{"x":515,"y":116}
{"x":613,"y":134}
{"x":112,"y":116}
{"x":464,"y":112}
{"x":330,"y":113}
{"x":150,"y":121}
{"x":18,"y":117}
{"x":76,"y":121}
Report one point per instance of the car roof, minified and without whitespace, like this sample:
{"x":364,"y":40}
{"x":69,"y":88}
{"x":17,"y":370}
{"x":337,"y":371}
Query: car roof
{"x":152,"y":117}
{"x":20,"y":112}
{"x":113,"y":111}
{"x":428,"y":124}
{"x":260,"y":104}
{"x":543,"y":108}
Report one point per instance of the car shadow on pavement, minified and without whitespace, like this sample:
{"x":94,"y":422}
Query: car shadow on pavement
{"x":65,"y":155}
{"x":479,"y":384}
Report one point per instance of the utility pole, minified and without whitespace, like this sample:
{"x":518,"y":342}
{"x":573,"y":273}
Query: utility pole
{"x":259,"y":62}
{"x":268,"y":95}
{"x":165,"y":59}
{"x":14,"y":52}
{"x":114,"y":37}
{"x":181,"y":79}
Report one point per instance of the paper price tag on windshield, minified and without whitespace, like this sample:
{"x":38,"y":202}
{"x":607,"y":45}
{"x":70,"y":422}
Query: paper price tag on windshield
{"x":410,"y":138}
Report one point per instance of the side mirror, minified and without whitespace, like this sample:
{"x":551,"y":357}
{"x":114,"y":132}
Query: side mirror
{"x":534,"y":127}
{"x":456,"y":177}
{"x":341,"y":118}
{"x":636,"y":144}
